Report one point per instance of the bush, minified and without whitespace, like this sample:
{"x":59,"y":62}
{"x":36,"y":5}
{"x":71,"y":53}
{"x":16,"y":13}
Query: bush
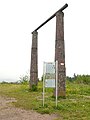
{"x":34,"y":88}
{"x":85,"y":79}
{"x":24,"y":79}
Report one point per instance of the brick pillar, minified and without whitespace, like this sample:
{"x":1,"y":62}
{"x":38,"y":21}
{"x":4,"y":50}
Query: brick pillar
{"x":60,"y":53}
{"x":34,"y":60}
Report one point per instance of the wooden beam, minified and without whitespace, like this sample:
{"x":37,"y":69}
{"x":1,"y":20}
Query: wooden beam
{"x":61,"y":9}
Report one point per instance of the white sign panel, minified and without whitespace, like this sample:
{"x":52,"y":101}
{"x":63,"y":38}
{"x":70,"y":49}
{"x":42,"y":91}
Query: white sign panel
{"x":50,"y":83}
{"x":50,"y":67}
{"x":49,"y":74}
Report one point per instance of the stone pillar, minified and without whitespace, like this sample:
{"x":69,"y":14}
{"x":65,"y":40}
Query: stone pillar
{"x":60,"y":53}
{"x":34,"y":60}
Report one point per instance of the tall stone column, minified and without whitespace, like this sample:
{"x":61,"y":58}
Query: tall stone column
{"x":60,"y":53}
{"x":34,"y":60}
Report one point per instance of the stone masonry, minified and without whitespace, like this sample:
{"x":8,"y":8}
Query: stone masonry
{"x":60,"y":53}
{"x":34,"y":60}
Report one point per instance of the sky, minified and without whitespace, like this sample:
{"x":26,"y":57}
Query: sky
{"x":18,"y":18}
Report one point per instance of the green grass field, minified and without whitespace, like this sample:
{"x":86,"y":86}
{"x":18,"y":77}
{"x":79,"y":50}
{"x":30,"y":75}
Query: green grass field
{"x":76,"y":106}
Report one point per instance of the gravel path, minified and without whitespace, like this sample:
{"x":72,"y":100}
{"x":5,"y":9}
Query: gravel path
{"x":9,"y":112}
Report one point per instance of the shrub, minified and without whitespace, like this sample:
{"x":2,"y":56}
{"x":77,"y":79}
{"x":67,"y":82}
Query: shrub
{"x":34,"y":88}
{"x":24,"y":79}
{"x":85,"y":79}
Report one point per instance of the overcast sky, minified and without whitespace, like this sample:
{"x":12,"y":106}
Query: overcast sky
{"x":18,"y":18}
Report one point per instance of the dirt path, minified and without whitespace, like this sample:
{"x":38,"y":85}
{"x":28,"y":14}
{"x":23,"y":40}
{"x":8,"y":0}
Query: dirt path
{"x":9,"y":112}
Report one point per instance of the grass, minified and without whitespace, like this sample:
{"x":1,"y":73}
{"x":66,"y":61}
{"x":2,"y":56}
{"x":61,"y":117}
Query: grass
{"x":76,"y":106}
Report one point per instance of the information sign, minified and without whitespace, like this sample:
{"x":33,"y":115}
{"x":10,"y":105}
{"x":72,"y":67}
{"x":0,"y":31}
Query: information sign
{"x":50,"y":83}
{"x":49,"y":74}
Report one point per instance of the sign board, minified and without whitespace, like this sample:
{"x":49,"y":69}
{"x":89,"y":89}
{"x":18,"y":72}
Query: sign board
{"x":50,"y":77}
{"x":49,"y":73}
{"x":50,"y":67}
{"x":50,"y":83}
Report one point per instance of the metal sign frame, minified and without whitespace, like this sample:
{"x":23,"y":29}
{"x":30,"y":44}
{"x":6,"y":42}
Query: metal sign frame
{"x":56,"y":79}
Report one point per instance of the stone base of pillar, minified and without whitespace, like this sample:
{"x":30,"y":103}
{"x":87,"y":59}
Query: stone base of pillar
{"x":61,"y":93}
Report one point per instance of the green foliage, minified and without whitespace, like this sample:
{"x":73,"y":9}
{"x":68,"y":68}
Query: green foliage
{"x":34,"y":88}
{"x":3,"y":82}
{"x":24,"y":79}
{"x":84,"y":79}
